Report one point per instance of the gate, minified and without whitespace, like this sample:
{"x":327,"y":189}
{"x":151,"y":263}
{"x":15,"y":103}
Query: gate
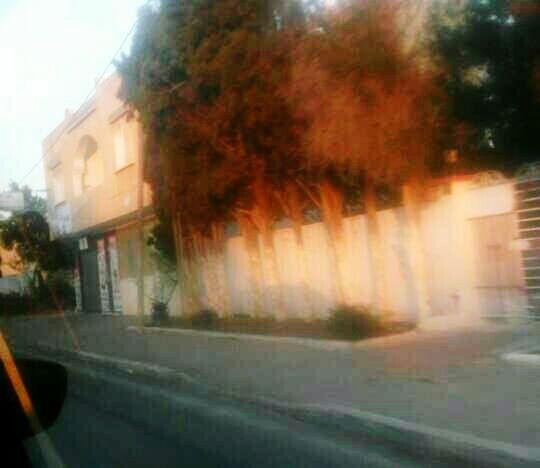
{"x":90,"y":280}
{"x":527,"y":192}
{"x":499,"y":280}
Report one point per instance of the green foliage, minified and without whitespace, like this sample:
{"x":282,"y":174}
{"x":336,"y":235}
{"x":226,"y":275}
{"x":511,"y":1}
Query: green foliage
{"x":353,"y":323}
{"x":46,"y":260}
{"x":204,"y":76}
{"x":28,"y":234}
{"x":205,"y":318}
{"x":160,"y":312}
{"x":162,"y":239}
{"x":490,"y":52}
{"x":240,"y":99}
{"x":240,"y":317}
{"x":371,"y":108}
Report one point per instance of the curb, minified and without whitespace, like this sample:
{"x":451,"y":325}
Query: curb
{"x":43,"y":316}
{"x":327,"y":345}
{"x":137,"y":366}
{"x":523,"y":358}
{"x":124,"y":365}
{"x":425,"y":441}
{"x":422,"y":441}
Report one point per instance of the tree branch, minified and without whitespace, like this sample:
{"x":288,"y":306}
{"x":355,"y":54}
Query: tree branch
{"x":309,"y":193}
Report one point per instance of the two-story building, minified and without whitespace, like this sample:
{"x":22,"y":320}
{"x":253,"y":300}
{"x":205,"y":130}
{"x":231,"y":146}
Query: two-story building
{"x":91,"y":163}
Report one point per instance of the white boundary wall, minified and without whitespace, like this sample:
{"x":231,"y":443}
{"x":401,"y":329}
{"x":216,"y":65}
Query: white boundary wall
{"x":451,"y":255}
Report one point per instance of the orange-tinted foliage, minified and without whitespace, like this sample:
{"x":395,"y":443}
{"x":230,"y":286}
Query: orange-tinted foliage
{"x":370,"y":107}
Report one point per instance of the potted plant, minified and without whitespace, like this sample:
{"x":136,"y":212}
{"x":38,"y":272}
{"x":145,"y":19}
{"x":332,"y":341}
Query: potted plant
{"x":160,"y":311}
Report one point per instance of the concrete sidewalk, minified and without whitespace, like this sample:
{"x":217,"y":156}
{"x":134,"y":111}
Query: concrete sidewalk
{"x":455,"y":381}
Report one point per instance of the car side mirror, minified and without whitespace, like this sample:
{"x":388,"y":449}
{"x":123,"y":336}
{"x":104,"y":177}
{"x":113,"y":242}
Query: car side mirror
{"x":46,"y":385}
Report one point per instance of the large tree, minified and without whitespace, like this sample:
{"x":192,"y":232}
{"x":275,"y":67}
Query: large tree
{"x":32,"y":202}
{"x":373,"y":113}
{"x":254,"y":110}
{"x":27,"y":233}
{"x":490,"y":51}
{"x":203,"y":76}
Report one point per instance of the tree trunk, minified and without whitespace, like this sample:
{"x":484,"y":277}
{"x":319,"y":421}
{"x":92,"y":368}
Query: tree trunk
{"x":302,"y":258}
{"x":211,"y":277}
{"x":186,"y":271}
{"x":272,"y":273}
{"x":262,"y":215}
{"x":332,"y":210}
{"x":411,"y":203}
{"x":252,"y":246}
{"x":203,"y":284}
{"x":293,"y":207}
{"x":374,"y":236}
{"x":191,"y":286}
{"x":218,"y":266}
{"x":178,"y":243}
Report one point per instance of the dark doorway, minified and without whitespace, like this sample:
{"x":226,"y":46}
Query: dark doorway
{"x":90,"y":281}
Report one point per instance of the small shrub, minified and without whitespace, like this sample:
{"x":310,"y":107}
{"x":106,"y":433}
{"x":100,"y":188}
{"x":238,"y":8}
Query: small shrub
{"x":160,"y":311}
{"x":205,"y":318}
{"x":353,"y":323}
{"x":241,"y":316}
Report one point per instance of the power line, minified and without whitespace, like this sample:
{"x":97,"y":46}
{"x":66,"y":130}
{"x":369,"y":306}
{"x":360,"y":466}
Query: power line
{"x":85,"y":100}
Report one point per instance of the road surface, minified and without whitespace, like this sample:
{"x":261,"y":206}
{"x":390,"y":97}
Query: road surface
{"x":112,"y":420}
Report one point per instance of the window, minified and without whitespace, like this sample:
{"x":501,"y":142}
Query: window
{"x":122,"y":148}
{"x":119,"y":149}
{"x":58,"y":187}
{"x":77,"y":185}
{"x":62,"y":218}
{"x":93,"y":175}
{"x":78,"y":172}
{"x":88,"y":166}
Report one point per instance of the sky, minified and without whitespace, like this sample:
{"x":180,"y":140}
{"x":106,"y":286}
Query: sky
{"x":51,"y":53}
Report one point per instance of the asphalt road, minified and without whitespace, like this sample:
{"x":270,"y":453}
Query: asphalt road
{"x":85,"y":436}
{"x":112,"y":420}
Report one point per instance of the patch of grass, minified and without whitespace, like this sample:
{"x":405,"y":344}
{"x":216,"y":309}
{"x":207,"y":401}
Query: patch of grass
{"x":205,"y":319}
{"x":345,"y":323}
